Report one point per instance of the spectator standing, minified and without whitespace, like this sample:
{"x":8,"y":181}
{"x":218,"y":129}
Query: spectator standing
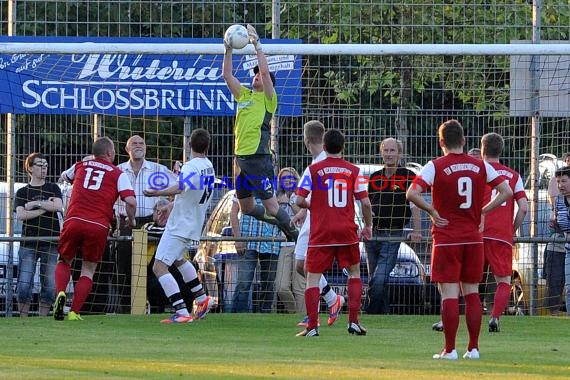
{"x":554,"y":254}
{"x":88,"y":220}
{"x":562,"y":212}
{"x":457,"y":181}
{"x":251,"y":253}
{"x":289,"y":284}
{"x":184,"y":228}
{"x":334,"y":184}
{"x":553,"y":191}
{"x":142,"y":174}
{"x":391,"y":213}
{"x":37,"y":205}
{"x":252,"y":130}
{"x":500,"y":227}
{"x":313,"y":132}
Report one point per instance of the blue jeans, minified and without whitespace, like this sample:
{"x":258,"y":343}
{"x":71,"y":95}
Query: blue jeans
{"x":27,"y":259}
{"x":554,"y":268}
{"x":246,"y":272}
{"x":381,"y":257}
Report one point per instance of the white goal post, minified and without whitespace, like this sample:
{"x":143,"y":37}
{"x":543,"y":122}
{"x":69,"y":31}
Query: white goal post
{"x":300,"y":49}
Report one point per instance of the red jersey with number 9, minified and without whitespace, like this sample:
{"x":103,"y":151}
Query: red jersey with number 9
{"x":333,"y":183}
{"x":458,"y":183}
{"x":96,"y":186}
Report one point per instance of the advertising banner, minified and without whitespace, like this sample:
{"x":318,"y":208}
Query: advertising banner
{"x":135,"y":84}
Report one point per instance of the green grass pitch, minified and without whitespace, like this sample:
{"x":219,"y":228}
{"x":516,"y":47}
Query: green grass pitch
{"x":264,"y":346}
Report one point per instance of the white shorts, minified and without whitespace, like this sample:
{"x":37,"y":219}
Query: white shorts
{"x":303,"y":240}
{"x":171,"y":248}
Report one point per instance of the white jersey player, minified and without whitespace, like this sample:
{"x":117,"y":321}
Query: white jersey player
{"x":184,"y":227}
{"x":313,"y":132}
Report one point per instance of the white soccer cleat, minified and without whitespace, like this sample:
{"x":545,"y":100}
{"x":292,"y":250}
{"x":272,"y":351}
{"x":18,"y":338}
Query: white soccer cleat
{"x":446,"y":355}
{"x":473,"y":354}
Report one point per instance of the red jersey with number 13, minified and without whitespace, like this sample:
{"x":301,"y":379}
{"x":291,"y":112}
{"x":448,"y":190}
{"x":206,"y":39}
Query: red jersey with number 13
{"x":458,"y":184}
{"x":333,"y":183}
{"x":96,"y":186}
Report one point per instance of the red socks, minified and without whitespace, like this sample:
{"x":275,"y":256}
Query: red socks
{"x":81,"y":292}
{"x":450,"y":319}
{"x":312,"y":300}
{"x":501,"y":301}
{"x":354,"y":290}
{"x":473,"y":317}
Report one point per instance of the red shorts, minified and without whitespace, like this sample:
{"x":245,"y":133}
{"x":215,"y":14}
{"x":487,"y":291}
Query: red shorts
{"x":320,"y":259}
{"x":457,"y":263}
{"x":499,"y":255}
{"x":79,"y":236}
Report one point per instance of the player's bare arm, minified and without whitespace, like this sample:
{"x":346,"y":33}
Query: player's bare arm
{"x":299,"y":218}
{"x":414,"y":194}
{"x":169,"y":191}
{"x":416,"y":234}
{"x":131,"y":208}
{"x":522,"y":204}
{"x":302,"y":202}
{"x":505,"y":192}
{"x":366,"y":208}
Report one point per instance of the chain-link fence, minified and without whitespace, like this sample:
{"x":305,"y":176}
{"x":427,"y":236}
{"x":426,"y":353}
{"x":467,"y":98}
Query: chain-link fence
{"x":367,"y":97}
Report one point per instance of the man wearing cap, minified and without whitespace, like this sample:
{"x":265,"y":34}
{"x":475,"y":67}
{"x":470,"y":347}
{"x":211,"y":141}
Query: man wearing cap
{"x":252,"y":131}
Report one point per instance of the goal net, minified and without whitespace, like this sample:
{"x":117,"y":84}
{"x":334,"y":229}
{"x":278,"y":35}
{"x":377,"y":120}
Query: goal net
{"x":57,"y":100}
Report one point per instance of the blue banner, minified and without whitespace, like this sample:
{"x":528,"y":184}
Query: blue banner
{"x":136,"y":84}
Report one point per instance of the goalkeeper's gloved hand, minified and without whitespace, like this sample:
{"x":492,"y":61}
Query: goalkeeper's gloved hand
{"x":254,"y":37}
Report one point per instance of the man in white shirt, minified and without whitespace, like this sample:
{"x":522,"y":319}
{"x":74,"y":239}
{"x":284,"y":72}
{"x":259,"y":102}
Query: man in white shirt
{"x":142,"y":174}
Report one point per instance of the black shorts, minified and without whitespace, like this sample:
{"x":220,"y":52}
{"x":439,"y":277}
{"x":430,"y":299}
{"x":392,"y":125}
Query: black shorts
{"x":256,"y":176}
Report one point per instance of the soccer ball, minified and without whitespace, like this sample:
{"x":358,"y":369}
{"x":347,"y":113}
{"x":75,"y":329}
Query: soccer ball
{"x":236,"y":36}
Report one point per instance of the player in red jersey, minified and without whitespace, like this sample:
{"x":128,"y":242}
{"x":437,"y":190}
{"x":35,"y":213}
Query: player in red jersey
{"x":500,"y":226}
{"x":334,"y":184}
{"x":458,"y":182}
{"x":97,"y":185}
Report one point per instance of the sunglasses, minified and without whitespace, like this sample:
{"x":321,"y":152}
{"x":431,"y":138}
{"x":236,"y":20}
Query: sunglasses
{"x":41,"y":164}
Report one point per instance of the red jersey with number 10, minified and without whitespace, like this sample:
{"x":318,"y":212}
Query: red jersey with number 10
{"x":458,"y":184}
{"x":333,"y":183}
{"x":499,"y":222}
{"x":96,"y":186}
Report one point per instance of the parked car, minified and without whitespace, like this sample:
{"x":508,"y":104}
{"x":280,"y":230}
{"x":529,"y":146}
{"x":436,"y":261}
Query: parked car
{"x":217,"y":262}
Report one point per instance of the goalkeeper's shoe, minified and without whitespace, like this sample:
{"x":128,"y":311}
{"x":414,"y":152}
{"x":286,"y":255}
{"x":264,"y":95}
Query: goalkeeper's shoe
{"x":58,"y":306}
{"x":309,"y":333}
{"x":355,"y":329}
{"x":334,"y":310}
{"x":178,"y":318}
{"x":73,"y":316}
{"x":202,"y":308}
{"x":305,"y":322}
